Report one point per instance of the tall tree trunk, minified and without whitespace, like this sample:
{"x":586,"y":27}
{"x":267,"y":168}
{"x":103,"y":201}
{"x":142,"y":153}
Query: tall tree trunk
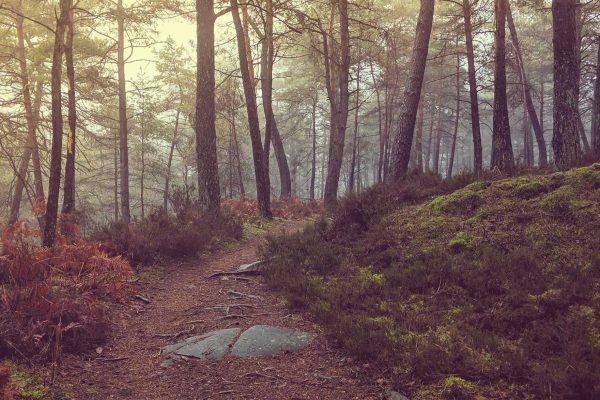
{"x":237,"y":152}
{"x":352,"y":178}
{"x":438,"y":142}
{"x":380,"y":124}
{"x":313,"y":165}
{"x":457,"y":116}
{"x":271,"y":131}
{"x":596,"y":109}
{"x":170,"y":161}
{"x":123,"y":132}
{"x":57,"y":128}
{"x":262,"y":185}
{"x":30,"y":118}
{"x":69,"y":187}
{"x":476,"y":128}
{"x":15,"y":205}
{"x":419,"y":141}
{"x":565,"y":142}
{"x":579,"y":36}
{"x":206,"y":133}
{"x":143,"y":162}
{"x":502,"y":152}
{"x":412,"y":94}
{"x":116,"y":176}
{"x":533,"y":117}
{"x":340,"y":115}
{"x":435,"y":116}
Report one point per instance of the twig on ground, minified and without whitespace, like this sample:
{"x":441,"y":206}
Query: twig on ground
{"x":142,"y":298}
{"x":112,"y":359}
{"x":175,"y":335}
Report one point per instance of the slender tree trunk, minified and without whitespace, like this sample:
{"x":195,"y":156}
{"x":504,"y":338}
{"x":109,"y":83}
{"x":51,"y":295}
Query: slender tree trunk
{"x":380,"y":124}
{"x":567,"y":150}
{"x":206,"y":133}
{"x":340,"y":116}
{"x":237,"y":152}
{"x":579,"y":36}
{"x":15,"y":205}
{"x":412,"y":94}
{"x":57,"y":128}
{"x":170,"y":161}
{"x":69,"y":187}
{"x":457,"y":116}
{"x":352,"y":179}
{"x":533,"y":117}
{"x":313,"y":166}
{"x":596,"y":109}
{"x":38,"y":206}
{"x":477,"y":147}
{"x":419,"y":141}
{"x":143,"y":166}
{"x":271,"y":131}
{"x":438,"y":142}
{"x":123,"y":131}
{"x":262,"y":185}
{"x":435,"y":116}
{"x":502,"y":152}
{"x":116,"y":176}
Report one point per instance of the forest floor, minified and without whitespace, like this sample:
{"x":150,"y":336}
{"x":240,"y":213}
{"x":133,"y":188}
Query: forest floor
{"x":183,"y":302}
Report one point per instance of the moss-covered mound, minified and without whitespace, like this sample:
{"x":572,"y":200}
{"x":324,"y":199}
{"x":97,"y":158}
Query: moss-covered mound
{"x":489,"y":292}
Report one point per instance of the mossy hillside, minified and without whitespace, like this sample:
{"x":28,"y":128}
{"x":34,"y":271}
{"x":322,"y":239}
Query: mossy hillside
{"x":490,"y":291}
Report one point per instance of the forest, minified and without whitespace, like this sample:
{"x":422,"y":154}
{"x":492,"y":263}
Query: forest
{"x":410,"y":189}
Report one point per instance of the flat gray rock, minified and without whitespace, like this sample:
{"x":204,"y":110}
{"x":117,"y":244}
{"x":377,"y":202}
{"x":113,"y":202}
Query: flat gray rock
{"x":211,"y":346}
{"x":393,"y":395}
{"x":264,"y":340}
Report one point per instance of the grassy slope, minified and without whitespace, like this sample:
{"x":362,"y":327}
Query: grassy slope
{"x":490,"y":291}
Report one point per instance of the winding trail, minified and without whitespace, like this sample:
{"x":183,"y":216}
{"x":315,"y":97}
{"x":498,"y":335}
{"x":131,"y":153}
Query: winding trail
{"x":183,"y":303}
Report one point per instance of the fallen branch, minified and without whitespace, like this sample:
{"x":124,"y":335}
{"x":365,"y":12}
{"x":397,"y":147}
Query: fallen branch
{"x":112,"y":359}
{"x":142,"y":298}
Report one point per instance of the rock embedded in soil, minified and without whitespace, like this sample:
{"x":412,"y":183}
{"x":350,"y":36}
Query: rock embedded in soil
{"x":212,"y":346}
{"x":264,"y":340}
{"x":257,"y":341}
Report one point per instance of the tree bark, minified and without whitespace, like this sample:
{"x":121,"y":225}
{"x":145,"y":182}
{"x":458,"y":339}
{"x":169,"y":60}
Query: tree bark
{"x":271,"y":131}
{"x":262,"y":185}
{"x":69,"y":187}
{"x":596,"y":109}
{"x":340,"y":103}
{"x":419,"y":141}
{"x":236,"y":146}
{"x":457,"y":116}
{"x":206,"y":133}
{"x":57,"y":128}
{"x":313,"y":165}
{"x":502,"y":152}
{"x":123,"y":131}
{"x":475,"y":123}
{"x":412,"y":93}
{"x":38,"y":206}
{"x":565,"y":142}
{"x":352,"y":177}
{"x":170,"y":161}
{"x":15,"y":205}
{"x":533,"y":117}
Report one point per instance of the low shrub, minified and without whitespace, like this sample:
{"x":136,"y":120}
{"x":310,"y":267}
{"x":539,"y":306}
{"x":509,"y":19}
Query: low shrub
{"x":245,"y":209}
{"x":459,"y":302}
{"x":55,"y":299}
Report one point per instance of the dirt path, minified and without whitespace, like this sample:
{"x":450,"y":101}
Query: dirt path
{"x":184,"y":300}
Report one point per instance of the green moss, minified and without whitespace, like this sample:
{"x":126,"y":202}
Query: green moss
{"x":530,"y":189}
{"x":460,"y":242}
{"x":27,"y":385}
{"x":559,"y":202}
{"x":456,"y":388}
{"x":460,"y":202}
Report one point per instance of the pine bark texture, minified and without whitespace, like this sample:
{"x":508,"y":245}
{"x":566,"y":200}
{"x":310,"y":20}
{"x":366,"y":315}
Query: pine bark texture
{"x":412,"y":94}
{"x":69,"y":187}
{"x":123,"y":130}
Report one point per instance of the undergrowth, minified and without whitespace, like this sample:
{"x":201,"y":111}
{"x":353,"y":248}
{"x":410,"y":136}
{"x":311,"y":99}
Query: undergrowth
{"x":486,"y":292}
{"x":54,"y":300}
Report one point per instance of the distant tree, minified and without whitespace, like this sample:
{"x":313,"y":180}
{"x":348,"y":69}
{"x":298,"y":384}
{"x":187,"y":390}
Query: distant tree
{"x":567,"y":150}
{"x":412,"y":93}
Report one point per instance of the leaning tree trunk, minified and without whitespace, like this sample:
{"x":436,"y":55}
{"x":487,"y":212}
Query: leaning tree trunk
{"x":262,"y":185}
{"x":502,"y":152}
{"x":533,"y":117}
{"x":57,"y":128}
{"x":15,"y":205}
{"x":38,"y":206}
{"x":565,"y":142}
{"x":477,"y":147}
{"x":412,"y":94}
{"x":69,"y":187}
{"x":206,"y":133}
{"x":123,"y":132}
{"x":596,"y":109}
{"x":340,"y":117}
